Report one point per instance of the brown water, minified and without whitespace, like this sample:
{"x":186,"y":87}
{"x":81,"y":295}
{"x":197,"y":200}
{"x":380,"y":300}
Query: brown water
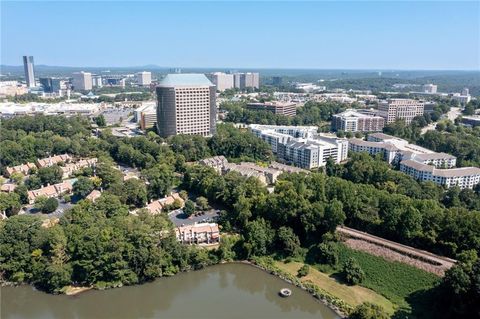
{"x":222,"y":291}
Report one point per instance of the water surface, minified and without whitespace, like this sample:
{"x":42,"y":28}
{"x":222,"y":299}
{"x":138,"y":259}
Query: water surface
{"x":222,"y":291}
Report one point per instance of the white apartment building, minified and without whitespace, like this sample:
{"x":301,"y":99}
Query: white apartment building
{"x":357,"y":121}
{"x":403,"y":109}
{"x":144,"y":78}
{"x":223,"y":81}
{"x":430,"y":88}
{"x":82,"y":81}
{"x":418,"y":162}
{"x":301,"y":145}
{"x":202,"y":233}
{"x":463,"y":177}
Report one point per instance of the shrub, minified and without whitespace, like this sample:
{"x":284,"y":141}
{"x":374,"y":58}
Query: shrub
{"x":352,"y":272}
{"x":303,"y":271}
{"x":328,"y":253}
{"x":189,"y":208}
{"x":368,"y":310}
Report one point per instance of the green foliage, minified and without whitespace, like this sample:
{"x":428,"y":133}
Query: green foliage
{"x":160,"y":178}
{"x":233,"y":143}
{"x":189,"y":208}
{"x":100,"y":121}
{"x":287,"y":242}
{"x":303,"y":271}
{"x":134,"y":193}
{"x":352,"y":272}
{"x":83,"y":186}
{"x":368,"y":310}
{"x":328,"y":253}
{"x":394,"y":280}
{"x":50,"y":175}
{"x":10,"y":203}
{"x":50,"y":205}
{"x":202,"y":203}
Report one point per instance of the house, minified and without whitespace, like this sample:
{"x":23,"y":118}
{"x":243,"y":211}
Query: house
{"x":156,"y":206}
{"x":24,"y":169}
{"x":71,"y":168}
{"x":203,"y":233}
{"x":52,"y":160}
{"x":8,"y":187}
{"x":49,"y":191}
{"x":94,"y":195}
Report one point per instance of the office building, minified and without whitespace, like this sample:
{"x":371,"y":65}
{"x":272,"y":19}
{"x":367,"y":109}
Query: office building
{"x":418,"y":162}
{"x":144,"y":78}
{"x":281,"y":108}
{"x":51,"y":85}
{"x":28,"y":66}
{"x":357,"y":121}
{"x":472,"y":121}
{"x":462,"y":98}
{"x":430,"y":88}
{"x":400,"y":109}
{"x":82,"y":81}
{"x":223,"y":81}
{"x":246,"y":80}
{"x":186,"y":105}
{"x":312,"y":150}
{"x":148,"y":119}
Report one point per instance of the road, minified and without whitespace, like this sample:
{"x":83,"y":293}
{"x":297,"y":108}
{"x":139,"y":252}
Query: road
{"x":451,"y":115}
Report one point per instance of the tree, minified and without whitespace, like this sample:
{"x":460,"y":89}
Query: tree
{"x":17,"y":177}
{"x":9,"y":203}
{"x":160,"y":178}
{"x":287,"y":242}
{"x":303,"y":271}
{"x":22,"y":192}
{"x":258,"y":237}
{"x":82,"y":187}
{"x":328,"y":253}
{"x":368,"y":310}
{"x":189,"y":208}
{"x":100,"y":121}
{"x":135,"y":193}
{"x":47,"y":206}
{"x":50,"y":175}
{"x":352,"y":272}
{"x":202,"y":203}
{"x":183,"y":194}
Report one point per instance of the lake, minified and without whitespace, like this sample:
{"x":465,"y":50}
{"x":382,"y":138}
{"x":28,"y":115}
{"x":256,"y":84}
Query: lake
{"x":221,"y":291}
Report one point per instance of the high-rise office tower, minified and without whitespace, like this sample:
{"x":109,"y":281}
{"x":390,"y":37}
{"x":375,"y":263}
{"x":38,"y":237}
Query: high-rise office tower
{"x":246,"y":80}
{"x":144,"y":78}
{"x":29,"y":72}
{"x":82,"y":81}
{"x":51,"y":85}
{"x":186,"y":105}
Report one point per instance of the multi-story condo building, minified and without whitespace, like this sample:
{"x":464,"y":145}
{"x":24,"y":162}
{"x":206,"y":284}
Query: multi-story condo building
{"x":186,"y":105}
{"x":82,"y":81}
{"x":203,"y":233}
{"x":356,"y":121}
{"x":418,"y":162}
{"x":302,"y":146}
{"x":282,"y":108}
{"x":430,"y":88}
{"x":463,"y":177}
{"x":223,"y":81}
{"x":403,"y":109}
{"x":28,"y":67}
{"x":246,"y":80}
{"x":144,"y":78}
{"x":97,"y":80}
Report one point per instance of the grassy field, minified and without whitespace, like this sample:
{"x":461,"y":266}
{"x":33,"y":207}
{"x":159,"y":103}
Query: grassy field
{"x":353,"y":295}
{"x":396,"y":281}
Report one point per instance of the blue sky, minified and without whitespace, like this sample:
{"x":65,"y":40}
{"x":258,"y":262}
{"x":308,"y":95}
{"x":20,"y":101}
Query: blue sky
{"x":325,"y":35}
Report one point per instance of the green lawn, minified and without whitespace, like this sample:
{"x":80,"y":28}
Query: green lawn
{"x":353,"y":295}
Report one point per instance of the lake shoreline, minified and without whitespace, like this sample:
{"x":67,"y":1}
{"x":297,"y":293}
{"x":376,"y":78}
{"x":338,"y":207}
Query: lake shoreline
{"x":77,"y":290}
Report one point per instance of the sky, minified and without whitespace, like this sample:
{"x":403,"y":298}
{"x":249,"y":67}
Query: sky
{"x":432,"y":35}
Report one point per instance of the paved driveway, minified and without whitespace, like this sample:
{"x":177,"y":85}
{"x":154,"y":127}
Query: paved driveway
{"x":179,"y":218}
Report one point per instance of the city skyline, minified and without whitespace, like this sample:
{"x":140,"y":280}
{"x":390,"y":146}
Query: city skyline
{"x":306,"y":35}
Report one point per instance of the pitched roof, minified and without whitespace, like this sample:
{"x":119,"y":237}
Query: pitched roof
{"x":186,"y":79}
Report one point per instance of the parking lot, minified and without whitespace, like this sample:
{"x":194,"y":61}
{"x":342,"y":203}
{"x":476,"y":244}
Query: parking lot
{"x":179,"y":218}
